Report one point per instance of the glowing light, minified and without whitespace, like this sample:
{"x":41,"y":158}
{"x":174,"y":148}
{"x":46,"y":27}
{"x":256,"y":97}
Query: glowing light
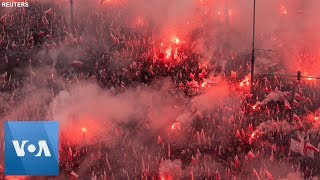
{"x":175,"y":40}
{"x":175,"y":126}
{"x":252,"y":138}
{"x":168,"y":53}
{"x":140,"y":21}
{"x":84,"y":130}
{"x":230,"y":12}
{"x":203,"y":84}
{"x":311,"y":79}
{"x":245,"y":82}
{"x":254,"y":107}
{"x":16,"y":178}
{"x":316,"y":118}
{"x":219,"y":13}
{"x":105,"y":1}
{"x":253,"y":135}
{"x":284,"y":10}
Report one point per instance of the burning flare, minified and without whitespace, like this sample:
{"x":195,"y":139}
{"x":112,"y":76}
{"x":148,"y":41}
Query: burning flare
{"x":245,"y":82}
{"x":175,"y":126}
{"x":175,"y":40}
{"x":283,"y":10}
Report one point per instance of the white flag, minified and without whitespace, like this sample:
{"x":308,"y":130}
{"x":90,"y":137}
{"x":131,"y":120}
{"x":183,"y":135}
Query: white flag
{"x":310,"y":154}
{"x":74,"y":174}
{"x":294,"y":145}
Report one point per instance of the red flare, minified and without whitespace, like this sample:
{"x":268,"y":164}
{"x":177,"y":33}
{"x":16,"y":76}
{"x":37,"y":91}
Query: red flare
{"x":175,"y":40}
{"x":176,"y":126}
{"x":283,"y":10}
{"x":203,"y":84}
{"x":245,"y":82}
{"x":253,"y":135}
{"x":254,"y":107}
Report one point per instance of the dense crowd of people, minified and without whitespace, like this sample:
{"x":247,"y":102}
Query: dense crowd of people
{"x":246,"y":140}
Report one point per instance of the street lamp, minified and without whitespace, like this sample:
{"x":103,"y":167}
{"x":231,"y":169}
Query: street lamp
{"x":71,"y":14}
{"x":252,"y":55}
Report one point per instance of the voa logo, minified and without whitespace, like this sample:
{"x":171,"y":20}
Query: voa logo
{"x":31,"y":148}
{"x":42,"y":144}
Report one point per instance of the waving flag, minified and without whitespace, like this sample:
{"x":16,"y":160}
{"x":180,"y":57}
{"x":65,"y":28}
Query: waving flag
{"x":296,"y":118}
{"x":49,"y":11}
{"x":268,"y":175}
{"x":303,"y":147}
{"x":159,"y":140}
{"x":255,"y":173}
{"x":77,"y":63}
{"x":294,"y":145}
{"x":309,"y":150}
{"x":287,"y":105}
{"x":73,"y":175}
{"x":250,"y":155}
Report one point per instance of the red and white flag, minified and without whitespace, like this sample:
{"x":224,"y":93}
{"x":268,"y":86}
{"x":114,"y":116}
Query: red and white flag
{"x":287,"y":105}
{"x":218,"y":177}
{"x":4,"y":75}
{"x":191,"y":76}
{"x":49,"y":11}
{"x":294,"y":145}
{"x":298,"y":97}
{"x":73,"y":175}
{"x":191,"y":175}
{"x":77,"y":63}
{"x":309,"y":150}
{"x":303,"y":148}
{"x":296,"y":117}
{"x":70,"y":153}
{"x":228,"y":173}
{"x":268,"y":175}
{"x":194,"y":161}
{"x":295,"y":103}
{"x":233,"y":74}
{"x":236,"y":162}
{"x":255,"y":173}
{"x":159,"y":140}
{"x":3,"y":18}
{"x":250,"y":155}
{"x":271,"y":156}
